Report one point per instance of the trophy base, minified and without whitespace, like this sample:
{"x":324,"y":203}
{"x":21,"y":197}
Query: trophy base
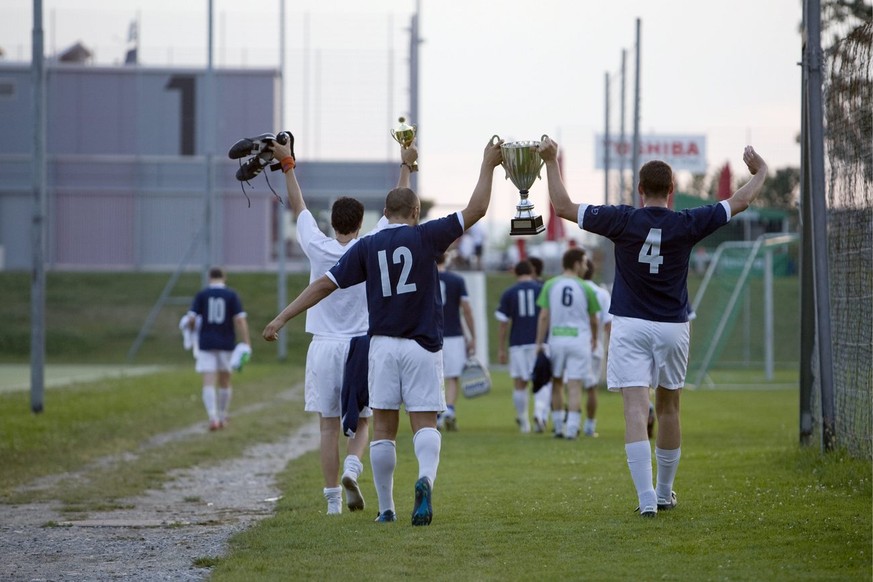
{"x":522,"y":226}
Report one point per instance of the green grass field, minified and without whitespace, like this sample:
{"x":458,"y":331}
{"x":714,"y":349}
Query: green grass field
{"x":753,"y":504}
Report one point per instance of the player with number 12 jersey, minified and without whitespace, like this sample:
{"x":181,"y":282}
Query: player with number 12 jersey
{"x":404,"y":300}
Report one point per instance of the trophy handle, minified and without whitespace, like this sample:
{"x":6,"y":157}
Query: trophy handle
{"x":394,"y":135}
{"x":495,"y":139}
{"x":542,"y":163}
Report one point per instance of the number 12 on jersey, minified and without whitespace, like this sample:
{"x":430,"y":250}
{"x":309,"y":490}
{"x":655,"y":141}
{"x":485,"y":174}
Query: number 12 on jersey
{"x":651,"y":251}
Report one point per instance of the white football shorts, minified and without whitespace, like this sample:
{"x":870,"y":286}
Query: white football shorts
{"x":522,"y":360}
{"x":213,"y":361}
{"x":323,"y":383}
{"x":403,"y":372}
{"x":647,"y":353}
{"x":454,"y":356}
{"x":571,"y":360}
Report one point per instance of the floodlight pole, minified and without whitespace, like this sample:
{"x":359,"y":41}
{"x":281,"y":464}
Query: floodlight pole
{"x":635,"y":154}
{"x":208,"y":146}
{"x":414,"y":42}
{"x":815,"y":197}
{"x":606,"y":141}
{"x":37,"y":286}
{"x":621,"y":140}
{"x":281,"y":282}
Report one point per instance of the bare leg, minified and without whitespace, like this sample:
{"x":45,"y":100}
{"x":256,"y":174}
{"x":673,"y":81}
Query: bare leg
{"x":330,"y":429}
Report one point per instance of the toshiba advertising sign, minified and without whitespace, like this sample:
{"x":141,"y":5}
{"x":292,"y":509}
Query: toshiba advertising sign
{"x":682,"y":152}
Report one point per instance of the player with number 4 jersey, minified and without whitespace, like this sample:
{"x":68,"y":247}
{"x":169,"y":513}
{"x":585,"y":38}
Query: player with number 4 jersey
{"x":650,"y":331}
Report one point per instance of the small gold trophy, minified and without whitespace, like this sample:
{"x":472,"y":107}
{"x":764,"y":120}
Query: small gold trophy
{"x":522,"y":162}
{"x":404,"y":134}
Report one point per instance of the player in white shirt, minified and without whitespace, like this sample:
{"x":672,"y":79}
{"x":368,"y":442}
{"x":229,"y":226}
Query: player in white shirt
{"x":568,"y":315}
{"x":604,"y":324}
{"x":398,"y":266}
{"x":333,"y":324}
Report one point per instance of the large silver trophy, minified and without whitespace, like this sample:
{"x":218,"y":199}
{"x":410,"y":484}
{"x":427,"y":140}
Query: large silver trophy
{"x":522,"y":162}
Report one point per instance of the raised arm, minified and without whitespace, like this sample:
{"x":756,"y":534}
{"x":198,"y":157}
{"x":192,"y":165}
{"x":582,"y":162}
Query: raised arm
{"x":564,"y":207}
{"x":407,"y":159}
{"x":744,"y":197}
{"x":315,"y":292}
{"x":481,"y":197}
{"x":295,"y":195}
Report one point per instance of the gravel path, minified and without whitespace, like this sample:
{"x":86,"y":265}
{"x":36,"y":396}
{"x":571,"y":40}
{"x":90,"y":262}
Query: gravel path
{"x":191,"y":517}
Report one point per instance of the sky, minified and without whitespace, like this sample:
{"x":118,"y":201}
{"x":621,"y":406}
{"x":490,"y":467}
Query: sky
{"x":726,"y":70}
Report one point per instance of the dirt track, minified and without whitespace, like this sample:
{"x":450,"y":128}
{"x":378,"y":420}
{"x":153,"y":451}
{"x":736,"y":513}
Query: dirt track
{"x":162,"y":533}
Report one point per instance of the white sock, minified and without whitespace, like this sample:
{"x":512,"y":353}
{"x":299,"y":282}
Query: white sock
{"x":224,"y":395}
{"x":209,"y":402}
{"x":353,"y":466}
{"x":668,"y":462}
{"x":519,"y":398}
{"x":543,"y":403}
{"x":574,"y":419}
{"x":427,"y":443}
{"x":334,"y":500}
{"x":558,"y":421}
{"x":383,"y":459}
{"x":639,"y":461}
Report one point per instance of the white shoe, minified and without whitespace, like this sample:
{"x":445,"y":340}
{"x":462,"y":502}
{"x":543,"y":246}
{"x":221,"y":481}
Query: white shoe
{"x":334,"y":506}
{"x":334,"y":501}
{"x":523,"y":425}
{"x":354,"y":499}
{"x":539,"y":425}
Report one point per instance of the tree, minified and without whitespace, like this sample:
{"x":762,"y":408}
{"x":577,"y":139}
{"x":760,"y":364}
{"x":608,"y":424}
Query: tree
{"x":781,"y":189}
{"x":838,"y":15}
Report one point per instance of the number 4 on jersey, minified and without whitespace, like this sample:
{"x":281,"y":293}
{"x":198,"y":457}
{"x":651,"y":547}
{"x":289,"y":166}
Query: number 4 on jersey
{"x":651,"y":251}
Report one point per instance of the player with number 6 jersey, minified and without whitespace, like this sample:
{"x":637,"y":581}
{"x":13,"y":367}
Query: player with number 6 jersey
{"x":650,"y":332}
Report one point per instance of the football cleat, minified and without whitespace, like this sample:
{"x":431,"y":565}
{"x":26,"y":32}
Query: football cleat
{"x":523,"y":425}
{"x":665,"y":504}
{"x":354,"y":499}
{"x":648,"y":511}
{"x":253,"y":166}
{"x":250,"y":146}
{"x":539,"y":425}
{"x":287,"y":138}
{"x":386,"y":517}
{"x":422,"y":511}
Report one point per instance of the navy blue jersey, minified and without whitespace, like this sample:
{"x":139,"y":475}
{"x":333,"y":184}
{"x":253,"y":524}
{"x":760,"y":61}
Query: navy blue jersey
{"x":652,"y":249}
{"x":452,"y":290}
{"x":217,"y":305}
{"x":518,"y":305}
{"x":398,"y":265}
